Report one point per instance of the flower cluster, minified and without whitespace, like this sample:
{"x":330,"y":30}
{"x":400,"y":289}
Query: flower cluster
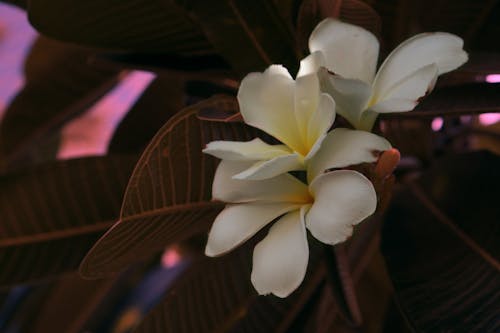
{"x":254,"y":177}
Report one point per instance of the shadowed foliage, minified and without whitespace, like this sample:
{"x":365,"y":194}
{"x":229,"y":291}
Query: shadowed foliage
{"x":441,"y":246}
{"x":59,"y":86}
{"x":168,"y":197}
{"x":51,"y":215}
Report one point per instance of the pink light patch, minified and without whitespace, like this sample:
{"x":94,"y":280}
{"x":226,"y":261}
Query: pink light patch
{"x":489,"y":118}
{"x":171,"y":257}
{"x":437,"y":124}
{"x":90,"y":133}
{"x":493,"y":78}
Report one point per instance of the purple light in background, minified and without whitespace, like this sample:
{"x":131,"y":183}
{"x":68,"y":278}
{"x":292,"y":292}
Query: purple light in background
{"x":489,"y":118}
{"x":437,"y":124}
{"x":90,"y":134}
{"x":171,"y":257}
{"x":16,"y":37}
{"x":493,"y":78}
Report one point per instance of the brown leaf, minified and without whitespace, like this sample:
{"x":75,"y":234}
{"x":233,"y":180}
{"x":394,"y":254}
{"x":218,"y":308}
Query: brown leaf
{"x":68,"y":305}
{"x":250,"y":35}
{"x":52,"y":214}
{"x":216,"y":295}
{"x":150,"y":26}
{"x":168,"y":198}
{"x":158,"y":103}
{"x":59,"y":85}
{"x":440,"y":242}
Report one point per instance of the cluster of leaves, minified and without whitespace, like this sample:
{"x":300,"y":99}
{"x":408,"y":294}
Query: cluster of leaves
{"x":109,"y":217}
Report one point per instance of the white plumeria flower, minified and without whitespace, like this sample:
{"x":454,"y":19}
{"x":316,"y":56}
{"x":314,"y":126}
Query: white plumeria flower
{"x":295,"y":112}
{"x":329,"y":207}
{"x":346,"y":57}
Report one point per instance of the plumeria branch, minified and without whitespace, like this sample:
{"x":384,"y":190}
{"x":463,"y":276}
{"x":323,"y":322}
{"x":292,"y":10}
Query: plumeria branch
{"x":311,"y":181}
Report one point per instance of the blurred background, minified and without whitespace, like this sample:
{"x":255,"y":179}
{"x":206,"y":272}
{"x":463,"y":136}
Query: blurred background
{"x":85,"y":86}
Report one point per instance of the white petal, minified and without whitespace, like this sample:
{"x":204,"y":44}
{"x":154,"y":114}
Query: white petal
{"x":405,"y":94}
{"x":349,"y":50}
{"x":321,"y":120}
{"x":343,"y":147}
{"x":278,"y":70}
{"x":440,"y":48}
{"x":283,"y":188}
{"x":351,"y":96}
{"x":314,"y":149}
{"x":341,"y":199}
{"x":394,"y":105}
{"x":367,"y":120}
{"x":237,"y":223}
{"x":272,"y":168}
{"x":266,"y":101}
{"x":245,"y":151}
{"x":280,"y":259}
{"x":307,"y":96}
{"x":311,"y":63}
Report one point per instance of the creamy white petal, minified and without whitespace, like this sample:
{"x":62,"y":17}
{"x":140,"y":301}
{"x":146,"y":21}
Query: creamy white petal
{"x":272,"y":168}
{"x":307,"y":97}
{"x":351,"y":96}
{"x":343,"y":147}
{"x":394,"y":105}
{"x":314,"y":149}
{"x":405,"y":94}
{"x":321,"y":120}
{"x":367,"y":120}
{"x":311,"y":63}
{"x":280,"y":259}
{"x":243,"y":151}
{"x":267,"y":102}
{"x":278,"y":70}
{"x":237,"y":223}
{"x":349,"y":50}
{"x":342,"y":199}
{"x":440,"y":48}
{"x":283,"y":188}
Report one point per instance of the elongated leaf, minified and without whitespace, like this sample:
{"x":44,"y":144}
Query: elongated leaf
{"x":441,"y":246}
{"x":250,"y":35}
{"x":464,"y":20}
{"x":68,"y":304}
{"x":158,"y":103}
{"x":168,"y":197}
{"x":188,"y":66}
{"x":215,"y":294}
{"x":151,"y":26}
{"x":59,"y":85}
{"x":176,"y":28}
{"x":51,"y":215}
